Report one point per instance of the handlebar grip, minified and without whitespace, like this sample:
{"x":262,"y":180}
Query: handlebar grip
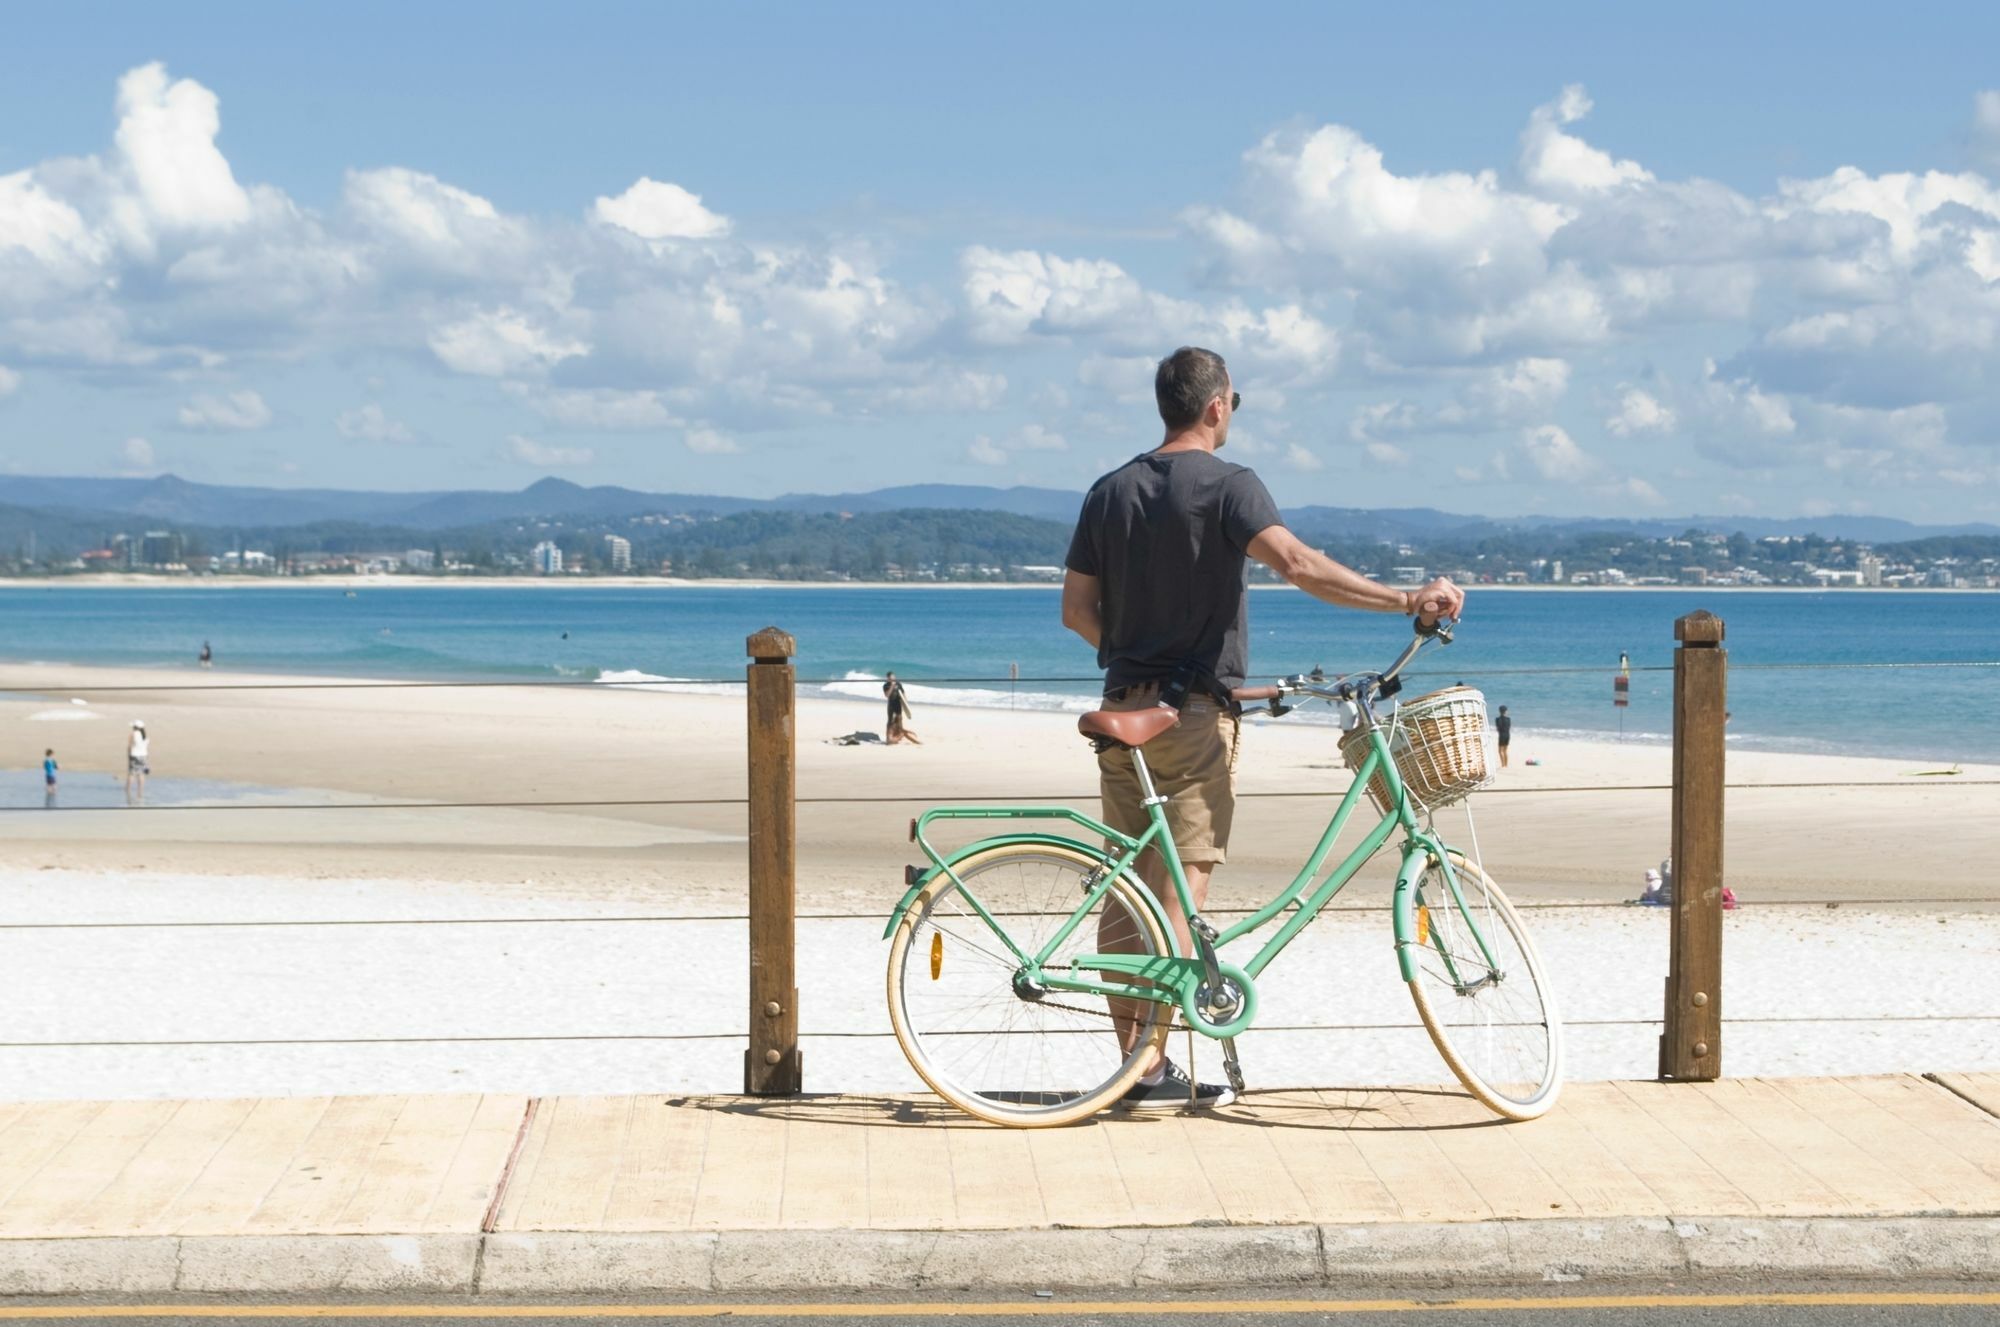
{"x":1255,"y":693}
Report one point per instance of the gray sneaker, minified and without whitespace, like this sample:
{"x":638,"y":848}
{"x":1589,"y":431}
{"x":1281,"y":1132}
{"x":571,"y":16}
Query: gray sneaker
{"x":1175,"y":1092}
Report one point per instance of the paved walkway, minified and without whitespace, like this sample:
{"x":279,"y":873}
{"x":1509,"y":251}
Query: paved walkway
{"x":608,"y":1193}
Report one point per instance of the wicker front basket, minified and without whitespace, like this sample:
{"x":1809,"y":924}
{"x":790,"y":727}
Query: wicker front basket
{"x":1439,"y":745}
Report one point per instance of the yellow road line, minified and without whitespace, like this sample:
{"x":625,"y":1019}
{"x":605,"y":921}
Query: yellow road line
{"x":1031,"y":1308}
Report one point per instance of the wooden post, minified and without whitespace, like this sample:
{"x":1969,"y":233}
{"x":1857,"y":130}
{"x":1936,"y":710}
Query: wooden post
{"x":1691,"y":1046}
{"x":772,"y":1066}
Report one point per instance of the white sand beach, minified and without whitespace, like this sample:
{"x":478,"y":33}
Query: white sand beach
{"x":1859,"y":902}
{"x":1794,"y":831}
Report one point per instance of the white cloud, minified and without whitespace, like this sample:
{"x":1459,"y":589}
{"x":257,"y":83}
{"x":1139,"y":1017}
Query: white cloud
{"x":1013,"y":297}
{"x":986,"y":450}
{"x":604,"y":408}
{"x":235,"y":413}
{"x":370,"y":423}
{"x":136,"y":455}
{"x":166,"y":136}
{"x":1639,"y":411}
{"x":10,"y":381}
{"x":1299,"y":458}
{"x":1127,"y":379}
{"x":530,"y":452}
{"x":1986,"y":128}
{"x":957,"y":390}
{"x":499,"y":342}
{"x":414,"y":225}
{"x":654,"y":210}
{"x":1561,"y":163}
{"x":1555,"y":455}
{"x":709,"y":442}
{"x":1505,"y":396}
{"x":1385,"y":453}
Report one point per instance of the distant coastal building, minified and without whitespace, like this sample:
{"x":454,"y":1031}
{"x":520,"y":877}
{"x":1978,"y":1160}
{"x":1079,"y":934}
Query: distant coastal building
{"x":160,"y":548}
{"x":618,"y":552}
{"x":547,"y":558}
{"x":420,"y":559}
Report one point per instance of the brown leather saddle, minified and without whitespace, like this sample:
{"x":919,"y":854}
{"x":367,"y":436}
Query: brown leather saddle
{"x":1128,"y":727}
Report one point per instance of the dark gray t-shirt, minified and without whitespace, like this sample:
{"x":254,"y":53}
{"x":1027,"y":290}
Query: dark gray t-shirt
{"x":1166,"y":535}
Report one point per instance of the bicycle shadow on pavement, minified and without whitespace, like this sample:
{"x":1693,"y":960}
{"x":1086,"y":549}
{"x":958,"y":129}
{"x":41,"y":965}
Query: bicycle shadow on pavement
{"x":1374,"y":1110}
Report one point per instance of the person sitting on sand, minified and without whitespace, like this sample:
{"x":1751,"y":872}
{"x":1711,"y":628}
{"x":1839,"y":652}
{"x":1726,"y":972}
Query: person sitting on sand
{"x":899,"y":712}
{"x":136,"y":766}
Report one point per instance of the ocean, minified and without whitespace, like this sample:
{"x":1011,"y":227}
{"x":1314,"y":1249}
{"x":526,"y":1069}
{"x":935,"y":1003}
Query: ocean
{"x":1802,"y":674}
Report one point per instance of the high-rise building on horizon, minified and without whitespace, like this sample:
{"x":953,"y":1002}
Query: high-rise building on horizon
{"x":618,"y":552}
{"x":547,"y":558}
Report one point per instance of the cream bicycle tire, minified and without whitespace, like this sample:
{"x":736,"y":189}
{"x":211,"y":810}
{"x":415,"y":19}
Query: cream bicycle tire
{"x":1455,"y":1043}
{"x":918,"y":1043}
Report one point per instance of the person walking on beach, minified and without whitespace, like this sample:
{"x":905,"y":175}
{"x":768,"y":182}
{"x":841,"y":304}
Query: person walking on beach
{"x":899,"y":713}
{"x":1157,"y":580}
{"x":1504,"y":726}
{"x":49,"y":771}
{"x":207,"y":656}
{"x":137,"y":767}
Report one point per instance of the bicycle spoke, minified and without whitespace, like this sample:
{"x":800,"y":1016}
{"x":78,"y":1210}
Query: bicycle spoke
{"x":1009,"y":1052}
{"x":1480,"y":991}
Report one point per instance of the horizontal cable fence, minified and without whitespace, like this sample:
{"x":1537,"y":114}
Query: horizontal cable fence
{"x":659,"y":684}
{"x":681,"y":685}
{"x":900,"y":799}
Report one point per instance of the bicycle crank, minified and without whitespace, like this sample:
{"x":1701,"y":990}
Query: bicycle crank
{"x":1231,"y":1065}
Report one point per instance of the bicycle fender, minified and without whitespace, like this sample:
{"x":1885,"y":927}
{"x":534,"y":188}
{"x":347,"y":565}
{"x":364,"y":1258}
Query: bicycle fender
{"x":1403,"y":903}
{"x":1008,"y":841}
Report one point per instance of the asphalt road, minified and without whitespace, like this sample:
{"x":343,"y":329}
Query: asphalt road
{"x":1903,"y":1306}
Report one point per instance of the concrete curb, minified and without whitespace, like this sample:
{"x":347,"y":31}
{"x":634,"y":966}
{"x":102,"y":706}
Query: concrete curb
{"x":1179,"y":1258}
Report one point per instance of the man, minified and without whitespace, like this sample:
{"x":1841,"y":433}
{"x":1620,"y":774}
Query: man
{"x":1504,"y":726}
{"x":1157,"y":579}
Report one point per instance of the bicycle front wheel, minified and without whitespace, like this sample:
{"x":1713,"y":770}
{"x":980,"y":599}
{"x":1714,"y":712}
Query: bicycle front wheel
{"x":987,"y":1039}
{"x":1481,"y":991}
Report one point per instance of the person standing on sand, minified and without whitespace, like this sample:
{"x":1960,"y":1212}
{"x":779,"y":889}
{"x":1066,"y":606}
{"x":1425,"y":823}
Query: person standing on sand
{"x":1157,"y":580}
{"x":207,"y":656}
{"x":1504,"y":726}
{"x":137,"y":750}
{"x":49,"y":769}
{"x":899,"y":712}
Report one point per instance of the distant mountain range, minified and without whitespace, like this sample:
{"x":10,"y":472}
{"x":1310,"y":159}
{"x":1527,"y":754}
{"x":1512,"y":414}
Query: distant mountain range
{"x":170,"y":500}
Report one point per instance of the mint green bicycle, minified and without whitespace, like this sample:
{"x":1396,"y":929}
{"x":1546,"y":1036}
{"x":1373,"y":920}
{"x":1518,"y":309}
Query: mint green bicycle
{"x":1033,"y":977}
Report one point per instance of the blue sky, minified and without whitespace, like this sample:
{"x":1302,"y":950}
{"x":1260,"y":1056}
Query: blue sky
{"x":1529,"y":258}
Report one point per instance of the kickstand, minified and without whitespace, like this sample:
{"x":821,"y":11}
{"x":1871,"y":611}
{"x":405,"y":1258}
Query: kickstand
{"x":1193,"y":1085}
{"x":1230,"y":1064}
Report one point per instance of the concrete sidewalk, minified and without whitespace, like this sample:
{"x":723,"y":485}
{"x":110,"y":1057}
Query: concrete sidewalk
{"x":1892,"y":1175}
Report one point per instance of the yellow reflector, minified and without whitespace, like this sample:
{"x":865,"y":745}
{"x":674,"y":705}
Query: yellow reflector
{"x":1423,"y":931}
{"x":937,"y":954}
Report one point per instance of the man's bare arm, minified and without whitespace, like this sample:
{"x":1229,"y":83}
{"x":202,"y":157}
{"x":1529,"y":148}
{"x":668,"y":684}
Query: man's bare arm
{"x":1323,"y":578}
{"x":1080,"y":611}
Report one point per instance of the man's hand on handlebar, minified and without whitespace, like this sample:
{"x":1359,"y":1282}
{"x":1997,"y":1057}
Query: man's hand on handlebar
{"x":1438,"y":599}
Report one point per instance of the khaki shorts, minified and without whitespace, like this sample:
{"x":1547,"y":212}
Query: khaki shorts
{"x":1194,"y":768}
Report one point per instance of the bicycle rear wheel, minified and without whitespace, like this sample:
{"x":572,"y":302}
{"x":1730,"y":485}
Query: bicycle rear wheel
{"x":985,"y":1039}
{"x":1481,"y":991}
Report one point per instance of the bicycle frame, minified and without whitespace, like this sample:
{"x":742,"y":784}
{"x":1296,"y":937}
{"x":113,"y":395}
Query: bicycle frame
{"x":1175,"y":978}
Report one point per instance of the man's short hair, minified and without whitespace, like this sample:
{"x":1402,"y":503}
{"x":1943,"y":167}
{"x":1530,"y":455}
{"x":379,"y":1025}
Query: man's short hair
{"x":1186,"y":382}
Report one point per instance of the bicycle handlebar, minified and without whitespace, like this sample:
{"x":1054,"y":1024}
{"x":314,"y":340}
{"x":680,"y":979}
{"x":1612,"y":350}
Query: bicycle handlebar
{"x":1348,"y":688}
